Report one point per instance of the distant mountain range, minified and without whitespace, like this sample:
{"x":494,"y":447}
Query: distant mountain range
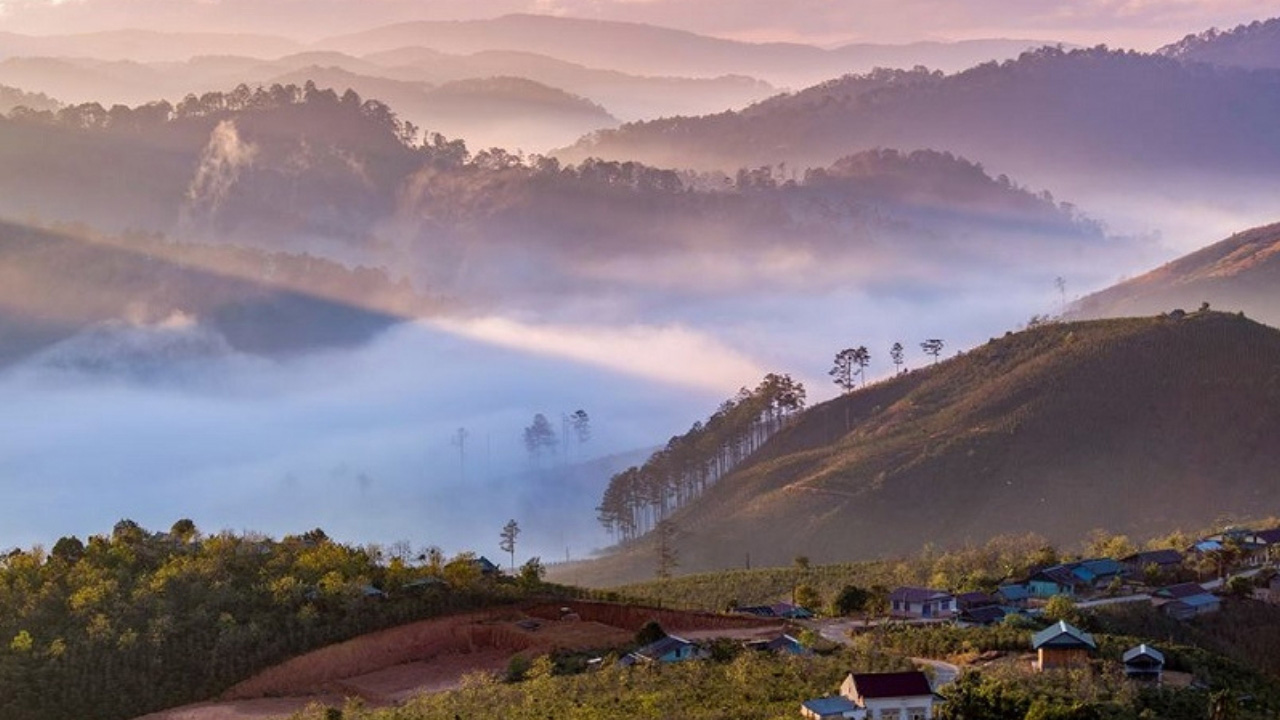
{"x":1241,"y":273}
{"x":649,"y":50}
{"x":1047,"y":114}
{"x":1256,"y":45}
{"x":1139,"y":426}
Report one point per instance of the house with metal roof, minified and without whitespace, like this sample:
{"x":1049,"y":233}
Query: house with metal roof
{"x":913,"y":602}
{"x":832,"y":708}
{"x":1062,"y":645}
{"x":667,"y":650}
{"x":899,"y":695}
{"x":1143,"y":663}
{"x":1056,"y":580}
{"x":985,"y":615}
{"x":1185,"y":601}
{"x":1014,"y":595}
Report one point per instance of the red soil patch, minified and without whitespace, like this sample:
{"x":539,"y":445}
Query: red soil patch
{"x":391,"y":666}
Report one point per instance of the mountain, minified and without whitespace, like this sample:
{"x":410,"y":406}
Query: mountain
{"x":629,"y":97}
{"x":1241,"y":273}
{"x":640,"y":49}
{"x":506,"y":112}
{"x":1117,"y":131}
{"x":302,"y":169}
{"x":93,"y":301}
{"x":1256,"y":45}
{"x":1138,"y":425}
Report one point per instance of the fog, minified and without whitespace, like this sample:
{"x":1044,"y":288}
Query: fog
{"x":356,"y":442}
{"x":163,"y":421}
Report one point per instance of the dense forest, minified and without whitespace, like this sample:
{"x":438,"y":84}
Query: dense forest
{"x":137,"y":621}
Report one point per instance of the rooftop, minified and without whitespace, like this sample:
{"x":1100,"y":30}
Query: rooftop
{"x":829,"y":706}
{"x":1062,"y":635}
{"x":1143,"y":651}
{"x":914,"y":594}
{"x":887,"y":685}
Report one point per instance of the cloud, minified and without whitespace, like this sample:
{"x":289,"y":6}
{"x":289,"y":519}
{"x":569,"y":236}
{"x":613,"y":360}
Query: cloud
{"x":670,"y":354}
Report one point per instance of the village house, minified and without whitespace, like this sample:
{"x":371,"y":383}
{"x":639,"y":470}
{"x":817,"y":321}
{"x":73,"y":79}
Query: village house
{"x":1143,"y":663}
{"x":1062,"y":646}
{"x":1164,"y":562}
{"x":1055,"y":580}
{"x":911,"y":602}
{"x":782,"y":644}
{"x":1271,"y":544}
{"x":1185,"y":601}
{"x":1014,"y":596}
{"x":667,"y":650}
{"x":891,"y":696}
{"x":984,"y":615}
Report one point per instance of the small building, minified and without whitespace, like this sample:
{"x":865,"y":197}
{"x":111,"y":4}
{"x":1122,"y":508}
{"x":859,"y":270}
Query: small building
{"x":486,"y":566}
{"x":790,"y":611}
{"x":667,"y":650}
{"x":970,"y":600}
{"x":1055,"y":580}
{"x":832,"y":708}
{"x":1143,"y":663}
{"x":784,"y":644}
{"x":885,"y":696}
{"x":1270,"y":540}
{"x":1015,"y":596}
{"x":1098,"y":572}
{"x":1164,"y":561}
{"x":1270,"y":592}
{"x":1185,"y":601}
{"x":912,"y":602}
{"x":985,"y":615}
{"x":1062,"y":646}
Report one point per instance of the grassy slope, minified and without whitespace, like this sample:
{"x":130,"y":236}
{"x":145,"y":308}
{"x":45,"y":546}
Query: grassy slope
{"x":1239,"y":273}
{"x":1134,"y":425}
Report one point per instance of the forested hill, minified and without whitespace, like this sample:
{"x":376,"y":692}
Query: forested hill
{"x":1072,"y":111}
{"x":184,"y":297}
{"x":1136,"y":425}
{"x":1256,"y":45}
{"x":303,"y":169}
{"x":131,"y":622}
{"x":1241,"y":273}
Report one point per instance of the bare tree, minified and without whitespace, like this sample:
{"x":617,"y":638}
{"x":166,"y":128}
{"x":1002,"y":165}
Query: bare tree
{"x":667,"y":556}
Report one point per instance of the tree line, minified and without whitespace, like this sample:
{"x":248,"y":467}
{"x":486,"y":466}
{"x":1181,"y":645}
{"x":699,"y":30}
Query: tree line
{"x":640,"y":497}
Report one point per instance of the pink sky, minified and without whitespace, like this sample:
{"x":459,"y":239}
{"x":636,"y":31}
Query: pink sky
{"x":1143,"y":24}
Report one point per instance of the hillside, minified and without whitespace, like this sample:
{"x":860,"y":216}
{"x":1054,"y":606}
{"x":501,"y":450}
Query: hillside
{"x":1256,"y":45}
{"x":1051,"y":117}
{"x":146,"y":301}
{"x":1241,"y":273}
{"x":1134,"y":425}
{"x":304,"y":169}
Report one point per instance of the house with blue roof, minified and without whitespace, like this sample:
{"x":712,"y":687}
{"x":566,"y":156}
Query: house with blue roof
{"x":831,"y":708}
{"x":1143,"y":663}
{"x":1185,"y":601}
{"x":667,"y":650}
